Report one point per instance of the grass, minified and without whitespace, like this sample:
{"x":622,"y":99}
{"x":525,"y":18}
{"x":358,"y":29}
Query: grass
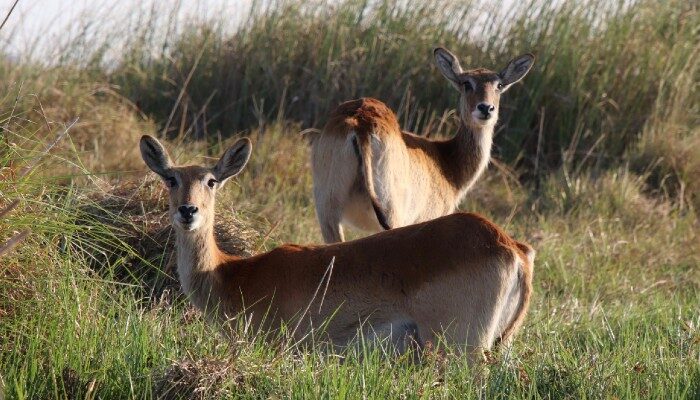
{"x":596,"y":80}
{"x":614,"y":314}
{"x":88,"y":303}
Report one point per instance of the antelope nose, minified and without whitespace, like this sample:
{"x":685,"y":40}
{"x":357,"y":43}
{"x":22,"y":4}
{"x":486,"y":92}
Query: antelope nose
{"x":187,"y":211}
{"x":486,"y":109}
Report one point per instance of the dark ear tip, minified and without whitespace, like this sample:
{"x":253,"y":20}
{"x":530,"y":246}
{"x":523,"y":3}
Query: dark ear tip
{"x":441,"y":52}
{"x":244,"y":142}
{"x":147,"y":138}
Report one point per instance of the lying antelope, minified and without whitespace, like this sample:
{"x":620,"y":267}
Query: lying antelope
{"x":371,"y":175}
{"x":459,"y":275}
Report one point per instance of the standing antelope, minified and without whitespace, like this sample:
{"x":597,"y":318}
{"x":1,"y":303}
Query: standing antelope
{"x":409,"y":283}
{"x":371,"y":175}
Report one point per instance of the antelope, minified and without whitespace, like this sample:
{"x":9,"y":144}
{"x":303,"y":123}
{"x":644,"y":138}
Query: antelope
{"x":371,"y":175}
{"x":459,"y":275}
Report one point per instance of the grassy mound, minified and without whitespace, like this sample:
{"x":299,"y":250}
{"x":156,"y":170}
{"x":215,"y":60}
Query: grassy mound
{"x":135,"y":213}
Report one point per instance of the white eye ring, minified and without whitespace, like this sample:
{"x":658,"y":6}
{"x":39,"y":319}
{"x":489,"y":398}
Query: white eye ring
{"x":212,"y":182}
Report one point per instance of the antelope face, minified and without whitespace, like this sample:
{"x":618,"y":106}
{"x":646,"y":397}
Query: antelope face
{"x":192,"y":191}
{"x":480,"y":95}
{"x":480,"y":89}
{"x":193,"y":188}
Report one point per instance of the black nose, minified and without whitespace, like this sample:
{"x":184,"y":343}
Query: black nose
{"x":486,"y":109}
{"x":187,"y":211}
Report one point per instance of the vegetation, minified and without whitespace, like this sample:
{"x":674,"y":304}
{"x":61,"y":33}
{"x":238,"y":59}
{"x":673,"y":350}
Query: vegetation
{"x":597,"y":165}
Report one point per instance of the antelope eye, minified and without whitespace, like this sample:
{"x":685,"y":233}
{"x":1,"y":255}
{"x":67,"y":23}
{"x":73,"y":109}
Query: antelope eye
{"x":467,"y":86}
{"x":171,"y":182}
{"x":500,"y":86}
{"x":212,"y":182}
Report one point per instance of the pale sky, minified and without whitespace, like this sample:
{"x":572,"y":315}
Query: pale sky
{"x":37,"y":23}
{"x":37,"y":27}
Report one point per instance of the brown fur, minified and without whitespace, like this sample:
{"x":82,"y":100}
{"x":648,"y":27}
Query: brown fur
{"x":399,"y":178}
{"x":368,"y":116}
{"x":458,"y":275}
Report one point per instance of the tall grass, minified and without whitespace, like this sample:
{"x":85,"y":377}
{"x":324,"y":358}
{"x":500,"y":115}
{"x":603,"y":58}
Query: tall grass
{"x":600,"y":69}
{"x":613,"y":82}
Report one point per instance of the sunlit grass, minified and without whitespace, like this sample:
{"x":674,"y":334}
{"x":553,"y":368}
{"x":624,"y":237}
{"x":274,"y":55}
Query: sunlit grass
{"x":87,"y":313}
{"x":614,"y":312}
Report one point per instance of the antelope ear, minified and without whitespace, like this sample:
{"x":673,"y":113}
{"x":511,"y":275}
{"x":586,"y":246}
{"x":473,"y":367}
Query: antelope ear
{"x":448,"y":65}
{"x":155,"y":155}
{"x":516,"y":69}
{"x":233,"y":160}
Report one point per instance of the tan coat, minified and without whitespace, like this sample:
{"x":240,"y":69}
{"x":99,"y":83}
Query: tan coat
{"x":371,"y":175}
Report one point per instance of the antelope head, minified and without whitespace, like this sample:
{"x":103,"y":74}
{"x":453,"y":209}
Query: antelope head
{"x":193,"y":188}
{"x":480,"y":89}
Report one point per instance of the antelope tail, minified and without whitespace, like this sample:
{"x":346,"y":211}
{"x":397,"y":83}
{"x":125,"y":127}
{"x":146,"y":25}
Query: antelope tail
{"x":524,"y":277}
{"x":363,"y":149}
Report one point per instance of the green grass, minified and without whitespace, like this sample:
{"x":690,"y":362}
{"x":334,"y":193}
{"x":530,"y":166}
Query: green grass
{"x":595,"y":82}
{"x":87,"y":313}
{"x":614,"y":312}
{"x":613,"y":83}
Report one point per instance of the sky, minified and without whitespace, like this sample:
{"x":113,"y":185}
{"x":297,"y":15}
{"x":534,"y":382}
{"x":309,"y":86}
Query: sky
{"x":37,"y":28}
{"x":37,"y":23}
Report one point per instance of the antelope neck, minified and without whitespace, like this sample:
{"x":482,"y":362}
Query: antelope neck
{"x":473,"y":148}
{"x":197,"y":250}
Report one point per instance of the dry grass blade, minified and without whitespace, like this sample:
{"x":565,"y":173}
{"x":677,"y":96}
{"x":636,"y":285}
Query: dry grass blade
{"x":12,"y":242}
{"x":7,"y":16}
{"x":9,"y":208}
{"x":32,"y":164}
{"x":326,"y":277}
{"x":182,"y":92}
